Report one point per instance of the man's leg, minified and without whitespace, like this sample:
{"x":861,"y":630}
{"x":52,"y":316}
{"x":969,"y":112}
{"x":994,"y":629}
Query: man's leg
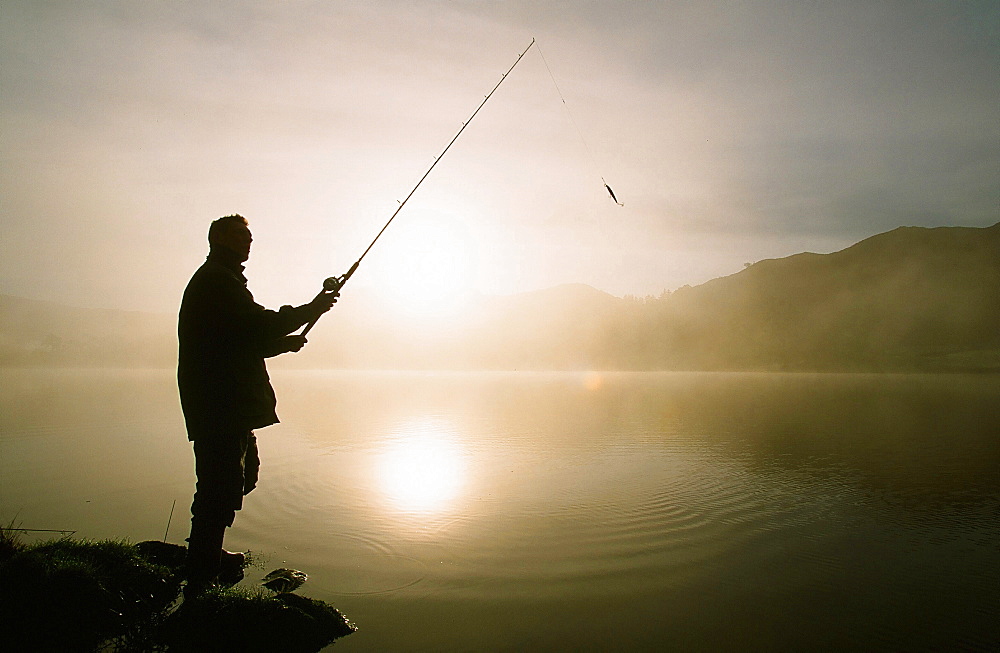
{"x":204,"y":555}
{"x":219,"y":465}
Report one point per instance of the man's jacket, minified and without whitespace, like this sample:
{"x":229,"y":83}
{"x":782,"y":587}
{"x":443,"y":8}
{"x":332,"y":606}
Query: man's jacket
{"x":223,"y":337}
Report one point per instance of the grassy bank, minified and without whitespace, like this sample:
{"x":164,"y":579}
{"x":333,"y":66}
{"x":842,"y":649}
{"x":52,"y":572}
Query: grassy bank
{"x":70,"y":594}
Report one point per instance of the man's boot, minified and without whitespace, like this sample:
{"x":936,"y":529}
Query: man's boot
{"x":204,"y":555}
{"x":231,"y":567}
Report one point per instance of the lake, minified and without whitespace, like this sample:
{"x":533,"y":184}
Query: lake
{"x":562,"y":511}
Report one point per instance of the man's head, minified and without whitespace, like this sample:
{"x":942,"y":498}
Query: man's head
{"x":231,"y":233}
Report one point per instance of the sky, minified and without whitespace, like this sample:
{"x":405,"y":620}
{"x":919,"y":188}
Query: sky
{"x":731,"y":132}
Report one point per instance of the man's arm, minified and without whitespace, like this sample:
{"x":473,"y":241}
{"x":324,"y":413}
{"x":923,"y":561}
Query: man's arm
{"x":245,"y":321}
{"x":284,"y":345}
{"x":277,"y":324}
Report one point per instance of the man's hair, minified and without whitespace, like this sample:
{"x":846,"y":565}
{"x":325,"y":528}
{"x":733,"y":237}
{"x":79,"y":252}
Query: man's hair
{"x":223,"y":224}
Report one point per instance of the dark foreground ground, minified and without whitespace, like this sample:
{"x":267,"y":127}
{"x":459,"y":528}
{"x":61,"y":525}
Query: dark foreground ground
{"x":81,"y":595}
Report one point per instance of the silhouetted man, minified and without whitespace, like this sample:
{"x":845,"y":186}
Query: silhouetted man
{"x":224,"y":337}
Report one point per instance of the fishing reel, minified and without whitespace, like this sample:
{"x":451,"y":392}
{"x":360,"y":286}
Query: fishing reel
{"x":334,"y":284}
{"x":331,"y":285}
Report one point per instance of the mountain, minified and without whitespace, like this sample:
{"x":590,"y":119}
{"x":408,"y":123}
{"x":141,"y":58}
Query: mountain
{"x":909,"y":299}
{"x":912,"y":299}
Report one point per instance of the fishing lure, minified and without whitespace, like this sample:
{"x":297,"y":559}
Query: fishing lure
{"x":579,"y":133}
{"x":611,"y":193}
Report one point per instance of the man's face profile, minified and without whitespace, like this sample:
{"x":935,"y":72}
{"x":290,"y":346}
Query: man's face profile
{"x":236,"y":238}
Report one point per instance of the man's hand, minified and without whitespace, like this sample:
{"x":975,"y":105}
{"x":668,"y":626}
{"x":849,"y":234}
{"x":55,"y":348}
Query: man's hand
{"x":283,"y":345}
{"x":324,"y":301}
{"x":295,"y":343}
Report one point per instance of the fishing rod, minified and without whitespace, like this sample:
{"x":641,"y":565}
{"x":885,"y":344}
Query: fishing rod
{"x":334,"y":284}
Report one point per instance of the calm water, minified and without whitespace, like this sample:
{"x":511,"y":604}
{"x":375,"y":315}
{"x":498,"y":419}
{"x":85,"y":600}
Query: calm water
{"x":491,"y":512}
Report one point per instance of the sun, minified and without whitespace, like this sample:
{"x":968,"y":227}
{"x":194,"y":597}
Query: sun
{"x":426,"y":266}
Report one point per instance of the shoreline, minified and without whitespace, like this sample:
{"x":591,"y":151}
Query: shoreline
{"x":67,"y":593}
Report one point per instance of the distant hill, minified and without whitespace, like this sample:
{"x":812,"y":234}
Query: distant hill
{"x":911,"y":299}
{"x":46,"y":333}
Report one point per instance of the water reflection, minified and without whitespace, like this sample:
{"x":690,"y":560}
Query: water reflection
{"x":714,"y":512}
{"x":421,"y":468}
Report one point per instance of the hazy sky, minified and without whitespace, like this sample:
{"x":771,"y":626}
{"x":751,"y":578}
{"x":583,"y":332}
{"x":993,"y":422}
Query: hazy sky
{"x":732,"y":131}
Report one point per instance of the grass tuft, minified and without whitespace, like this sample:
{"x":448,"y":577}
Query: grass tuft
{"x":110,"y":595}
{"x":71,"y":594}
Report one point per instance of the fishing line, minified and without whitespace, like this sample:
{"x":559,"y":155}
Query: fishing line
{"x":576,"y":125}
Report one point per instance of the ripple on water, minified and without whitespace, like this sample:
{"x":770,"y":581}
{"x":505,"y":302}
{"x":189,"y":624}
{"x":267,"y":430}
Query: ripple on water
{"x":342,"y":562}
{"x":648,"y":532}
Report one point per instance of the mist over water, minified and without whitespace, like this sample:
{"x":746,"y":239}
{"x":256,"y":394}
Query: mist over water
{"x":554,"y":511}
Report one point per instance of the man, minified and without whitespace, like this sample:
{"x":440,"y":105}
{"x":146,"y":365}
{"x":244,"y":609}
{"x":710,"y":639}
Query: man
{"x":224,"y":337}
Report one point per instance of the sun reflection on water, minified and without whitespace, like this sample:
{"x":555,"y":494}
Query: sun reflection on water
{"x":422,"y":467}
